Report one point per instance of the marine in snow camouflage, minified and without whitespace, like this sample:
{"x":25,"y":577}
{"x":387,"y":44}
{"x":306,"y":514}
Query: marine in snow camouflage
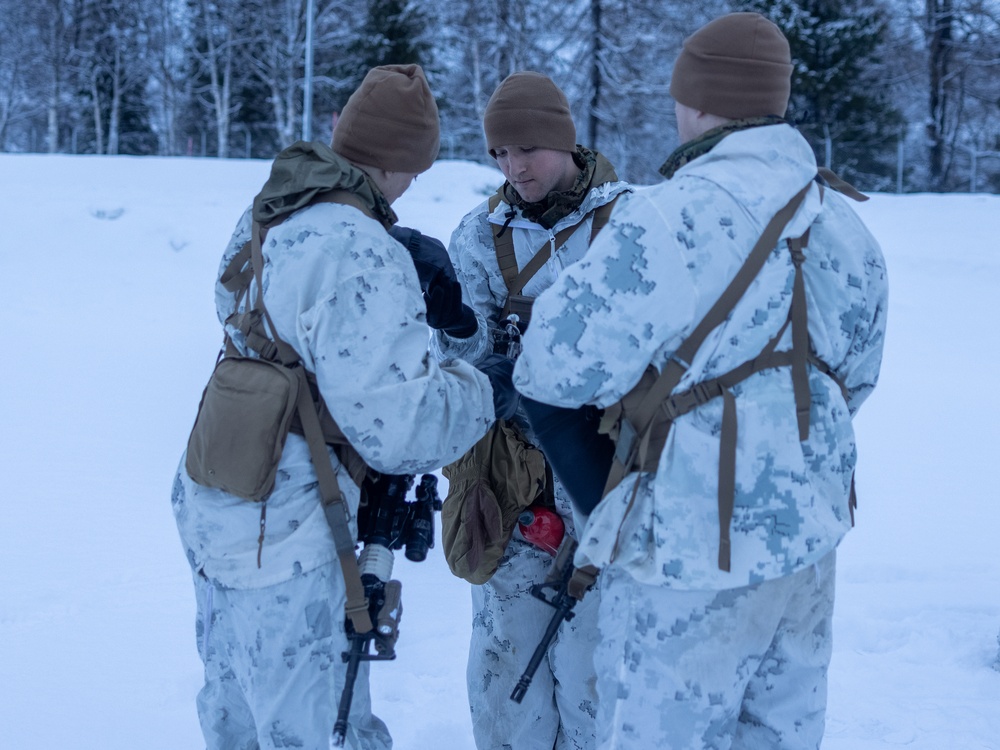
{"x":346,"y":296}
{"x":652,"y":274}
{"x":559,"y":707}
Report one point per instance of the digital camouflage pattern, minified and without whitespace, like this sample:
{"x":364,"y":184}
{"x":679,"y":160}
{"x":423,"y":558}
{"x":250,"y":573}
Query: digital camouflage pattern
{"x":708,"y":670}
{"x":560,"y":706}
{"x":473,"y":253}
{"x":271,"y":657}
{"x":508,"y":622}
{"x":346,"y":297}
{"x":650,"y":277}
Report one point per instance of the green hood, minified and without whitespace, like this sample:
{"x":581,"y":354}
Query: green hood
{"x":305,"y":171}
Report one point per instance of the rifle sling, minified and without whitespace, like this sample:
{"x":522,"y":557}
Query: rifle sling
{"x":334,"y":505}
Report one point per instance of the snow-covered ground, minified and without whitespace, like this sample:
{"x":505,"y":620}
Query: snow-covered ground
{"x":107,"y":267}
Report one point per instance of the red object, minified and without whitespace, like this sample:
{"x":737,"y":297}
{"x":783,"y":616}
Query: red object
{"x":541,"y":527}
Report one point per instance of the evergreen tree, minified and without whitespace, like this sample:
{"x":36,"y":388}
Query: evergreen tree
{"x":838,"y":101}
{"x":394,"y":33}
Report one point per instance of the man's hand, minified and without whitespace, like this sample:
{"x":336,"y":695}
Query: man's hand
{"x":442,"y":292}
{"x":500,"y":371}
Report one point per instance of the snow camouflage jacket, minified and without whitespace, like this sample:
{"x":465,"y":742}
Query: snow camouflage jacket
{"x":473,"y":253}
{"x":653,"y":273}
{"x":345,"y":295}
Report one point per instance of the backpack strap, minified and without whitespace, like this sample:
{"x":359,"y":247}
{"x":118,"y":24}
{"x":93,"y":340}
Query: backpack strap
{"x":842,"y":186}
{"x":800,"y":336}
{"x":632,"y":446}
{"x":503,"y":242}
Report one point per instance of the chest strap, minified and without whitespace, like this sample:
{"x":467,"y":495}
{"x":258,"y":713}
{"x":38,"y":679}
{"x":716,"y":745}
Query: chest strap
{"x":507,"y":260}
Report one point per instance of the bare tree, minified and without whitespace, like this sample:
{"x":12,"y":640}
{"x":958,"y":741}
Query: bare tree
{"x":170,"y":71}
{"x":218,"y":30}
{"x":963,"y":60}
{"x":276,"y":56}
{"x":18,"y":43}
{"x":940,"y":55}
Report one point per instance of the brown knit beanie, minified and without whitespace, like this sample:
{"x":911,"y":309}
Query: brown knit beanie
{"x":528,"y":109}
{"x":390,"y":121}
{"x":736,"y":66}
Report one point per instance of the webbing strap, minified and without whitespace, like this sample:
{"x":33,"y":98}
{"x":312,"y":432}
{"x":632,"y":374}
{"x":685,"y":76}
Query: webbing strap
{"x":334,"y":506}
{"x":840,"y":185}
{"x":581,"y":580}
{"x":507,"y":261}
{"x":285,"y":353}
{"x":238,"y":274}
{"x":503,"y":242}
{"x":539,"y":259}
{"x":633,"y":428}
{"x":727,"y":477}
{"x":800,"y":336}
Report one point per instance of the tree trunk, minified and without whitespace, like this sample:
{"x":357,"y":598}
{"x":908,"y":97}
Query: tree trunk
{"x":594,"y":121}
{"x":940,"y":20}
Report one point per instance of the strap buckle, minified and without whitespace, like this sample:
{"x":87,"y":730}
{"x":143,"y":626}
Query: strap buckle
{"x":626,"y":445}
{"x":687,"y":401}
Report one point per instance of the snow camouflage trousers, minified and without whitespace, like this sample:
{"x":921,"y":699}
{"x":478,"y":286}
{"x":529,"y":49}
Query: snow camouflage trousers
{"x":739,"y":668}
{"x":273,"y":667}
{"x":559,"y":707}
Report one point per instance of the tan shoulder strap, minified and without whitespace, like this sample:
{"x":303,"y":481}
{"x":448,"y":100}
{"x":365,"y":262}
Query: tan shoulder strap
{"x":503,"y":242}
{"x":334,"y":504}
{"x":632,"y":430}
{"x":840,"y":185}
{"x":539,"y":259}
{"x":601,"y":214}
{"x":507,"y":261}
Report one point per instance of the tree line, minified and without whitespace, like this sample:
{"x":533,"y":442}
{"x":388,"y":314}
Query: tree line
{"x":891,"y":93}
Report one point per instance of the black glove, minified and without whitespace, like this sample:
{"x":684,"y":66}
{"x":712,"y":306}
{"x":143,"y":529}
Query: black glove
{"x":429,"y":256}
{"x":500,"y":370}
{"x":578,"y":454}
{"x":442,"y":292}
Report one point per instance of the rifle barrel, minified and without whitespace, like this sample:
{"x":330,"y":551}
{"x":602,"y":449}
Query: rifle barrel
{"x":562,"y":612}
{"x":359,"y":645}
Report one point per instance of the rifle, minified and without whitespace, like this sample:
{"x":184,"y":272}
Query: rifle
{"x":386,"y":522}
{"x":561,"y":600}
{"x":383,"y":635}
{"x":507,"y":337}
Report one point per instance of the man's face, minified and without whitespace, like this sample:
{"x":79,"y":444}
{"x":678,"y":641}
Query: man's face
{"x":536,"y":172}
{"x":395,"y":184}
